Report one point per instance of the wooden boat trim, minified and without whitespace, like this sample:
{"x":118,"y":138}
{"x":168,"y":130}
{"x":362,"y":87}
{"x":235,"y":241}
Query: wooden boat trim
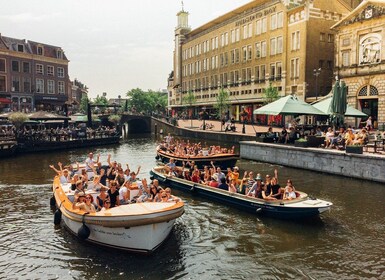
{"x":114,"y":220}
{"x":303,"y":196}
{"x":226,"y":156}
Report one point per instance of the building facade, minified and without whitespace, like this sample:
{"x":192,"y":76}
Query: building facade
{"x":33,"y":76}
{"x":287,"y":44}
{"x":360,"y":58}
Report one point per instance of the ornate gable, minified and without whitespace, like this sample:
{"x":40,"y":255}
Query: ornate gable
{"x":371,"y":11}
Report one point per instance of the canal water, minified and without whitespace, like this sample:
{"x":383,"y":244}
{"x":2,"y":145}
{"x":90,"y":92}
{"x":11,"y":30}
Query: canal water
{"x":210,"y":241}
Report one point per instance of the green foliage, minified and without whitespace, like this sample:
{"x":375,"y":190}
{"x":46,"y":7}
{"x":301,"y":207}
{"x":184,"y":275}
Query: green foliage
{"x":222,"y":102}
{"x":114,"y":119}
{"x":147,"y":102}
{"x":84,"y":104}
{"x":270,"y":94}
{"x":190,"y":99}
{"x":100,"y":100}
{"x":18,"y":118}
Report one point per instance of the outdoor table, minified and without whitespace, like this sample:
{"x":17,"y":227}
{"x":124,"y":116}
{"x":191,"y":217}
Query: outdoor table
{"x":376,"y":145}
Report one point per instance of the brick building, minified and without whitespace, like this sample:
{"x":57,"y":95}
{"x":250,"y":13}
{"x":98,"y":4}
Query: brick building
{"x":285,"y":43}
{"x":32,"y":76}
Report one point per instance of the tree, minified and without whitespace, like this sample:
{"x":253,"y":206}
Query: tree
{"x":84,"y":104}
{"x":146,"y":102}
{"x":190,"y":100}
{"x":18,"y":118}
{"x":102,"y":101}
{"x":222,"y":103}
{"x":270,"y":94}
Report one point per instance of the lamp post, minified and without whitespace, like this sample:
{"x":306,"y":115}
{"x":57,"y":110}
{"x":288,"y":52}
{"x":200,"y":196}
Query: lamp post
{"x":119,"y":98}
{"x":316,"y":73}
{"x":243,"y":114}
{"x":204,"y":117}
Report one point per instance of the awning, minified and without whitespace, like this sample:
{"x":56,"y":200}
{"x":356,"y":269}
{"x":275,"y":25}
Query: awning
{"x":5,"y":101}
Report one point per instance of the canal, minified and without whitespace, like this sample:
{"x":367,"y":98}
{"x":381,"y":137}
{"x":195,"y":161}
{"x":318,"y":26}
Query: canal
{"x":210,"y":241}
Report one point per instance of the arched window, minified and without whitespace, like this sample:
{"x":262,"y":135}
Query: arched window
{"x":372,"y":90}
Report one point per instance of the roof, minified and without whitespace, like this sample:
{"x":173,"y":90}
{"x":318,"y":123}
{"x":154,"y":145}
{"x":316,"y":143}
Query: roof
{"x":358,"y":14}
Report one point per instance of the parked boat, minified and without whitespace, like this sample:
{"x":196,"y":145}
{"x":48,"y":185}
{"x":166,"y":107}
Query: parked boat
{"x":222,"y":160}
{"x":301,"y":207}
{"x":7,"y":148}
{"x":138,"y":227}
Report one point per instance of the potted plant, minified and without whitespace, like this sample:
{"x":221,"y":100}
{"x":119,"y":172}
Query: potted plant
{"x":301,"y":142}
{"x":354,"y":149}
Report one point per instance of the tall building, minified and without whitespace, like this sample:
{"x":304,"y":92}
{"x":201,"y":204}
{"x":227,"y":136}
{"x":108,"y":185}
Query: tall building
{"x":287,"y":44}
{"x":33,"y":75}
{"x":360,"y":58}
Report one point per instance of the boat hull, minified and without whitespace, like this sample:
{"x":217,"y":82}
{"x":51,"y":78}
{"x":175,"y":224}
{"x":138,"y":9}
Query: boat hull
{"x":138,"y":227}
{"x":292,"y":210}
{"x":141,"y":239}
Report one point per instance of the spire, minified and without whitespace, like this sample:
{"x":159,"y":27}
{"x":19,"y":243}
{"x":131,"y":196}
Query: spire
{"x":182,"y":6}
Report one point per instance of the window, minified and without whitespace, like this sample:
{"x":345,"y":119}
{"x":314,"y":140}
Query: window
{"x":27,"y":84}
{"x":295,"y":41}
{"x":2,"y":65}
{"x":15,"y":83}
{"x":237,"y":34}
{"x":245,"y":32}
{"x":50,"y":70}
{"x":258,"y":50}
{"x":321,"y":64}
{"x":244,"y":52}
{"x":330,"y":38}
{"x":273,"y":22}
{"x":26,"y":67}
{"x":248,"y":74}
{"x":249,"y":52}
{"x":294,"y":68}
{"x":280,"y":20}
{"x":264,"y":25}
{"x":226,"y":39}
{"x":40,"y":50}
{"x":329,"y":64}
{"x":2,"y":84}
{"x":51,"y":87}
{"x":263,"y":49}
{"x":273,"y":46}
{"x":256,"y":74}
{"x":263,"y":72}
{"x":236,"y":55}
{"x":272,"y":72}
{"x":39,"y":85}
{"x":232,"y":36}
{"x":60,"y":85}
{"x":250,"y":31}
{"x":39,"y":69}
{"x":15,"y":66}
{"x":258,"y":28}
{"x":279,"y":71}
{"x":322,"y":37}
{"x":280,"y":44}
{"x":60,"y":72}
{"x":20,"y":48}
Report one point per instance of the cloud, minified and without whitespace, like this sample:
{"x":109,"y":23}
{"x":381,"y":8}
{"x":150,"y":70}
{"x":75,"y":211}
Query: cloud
{"x":28,"y":17}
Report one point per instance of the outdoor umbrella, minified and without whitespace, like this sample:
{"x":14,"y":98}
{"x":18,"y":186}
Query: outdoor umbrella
{"x":78,"y":117}
{"x":45,"y":116}
{"x":324,"y":106}
{"x":288,"y":105}
{"x":338,"y":104}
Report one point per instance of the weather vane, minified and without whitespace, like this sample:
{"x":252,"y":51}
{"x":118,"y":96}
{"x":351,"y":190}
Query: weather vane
{"x":182,"y":5}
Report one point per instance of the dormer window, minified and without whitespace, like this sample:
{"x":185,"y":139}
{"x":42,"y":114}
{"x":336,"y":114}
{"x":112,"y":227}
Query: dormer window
{"x":20,"y":48}
{"x":59,"y":54}
{"x":40,"y":50}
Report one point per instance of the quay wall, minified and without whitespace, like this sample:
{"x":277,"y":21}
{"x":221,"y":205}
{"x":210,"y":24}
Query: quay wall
{"x":158,"y":125}
{"x":363,"y":166}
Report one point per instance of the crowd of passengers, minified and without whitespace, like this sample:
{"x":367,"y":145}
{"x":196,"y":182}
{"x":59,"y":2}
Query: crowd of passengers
{"x":111,"y":181}
{"x":230,"y":180}
{"x":337,"y":139}
{"x":63,"y":133}
{"x":186,"y":149}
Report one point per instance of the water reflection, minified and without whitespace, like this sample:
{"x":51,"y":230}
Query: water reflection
{"x":211,"y":241}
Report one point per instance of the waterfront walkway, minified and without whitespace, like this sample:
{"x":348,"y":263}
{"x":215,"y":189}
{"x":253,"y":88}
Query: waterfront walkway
{"x":251,"y":130}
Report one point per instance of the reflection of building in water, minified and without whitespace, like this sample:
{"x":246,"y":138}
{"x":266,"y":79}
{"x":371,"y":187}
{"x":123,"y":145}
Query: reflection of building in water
{"x":360,"y":61}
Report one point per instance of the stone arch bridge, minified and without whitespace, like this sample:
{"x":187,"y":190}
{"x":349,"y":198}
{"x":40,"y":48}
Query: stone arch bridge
{"x":135,"y":123}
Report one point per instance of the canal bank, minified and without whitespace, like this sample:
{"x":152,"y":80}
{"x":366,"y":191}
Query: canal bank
{"x":361,"y":166}
{"x":367,"y":166}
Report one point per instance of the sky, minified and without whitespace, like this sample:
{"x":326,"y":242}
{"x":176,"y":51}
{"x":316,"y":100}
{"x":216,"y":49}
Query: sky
{"x":113,"y":45}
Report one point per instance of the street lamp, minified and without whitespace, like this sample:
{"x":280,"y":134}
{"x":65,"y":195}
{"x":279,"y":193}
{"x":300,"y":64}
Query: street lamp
{"x":316,"y":73}
{"x":204,"y":117}
{"x":243,"y":115}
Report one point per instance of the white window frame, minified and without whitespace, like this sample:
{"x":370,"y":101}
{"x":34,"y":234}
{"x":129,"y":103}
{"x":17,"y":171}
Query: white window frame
{"x":50,"y":87}
{"x":39,"y":85}
{"x":60,"y":72}
{"x":60,"y":87}
{"x":39,"y":69}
